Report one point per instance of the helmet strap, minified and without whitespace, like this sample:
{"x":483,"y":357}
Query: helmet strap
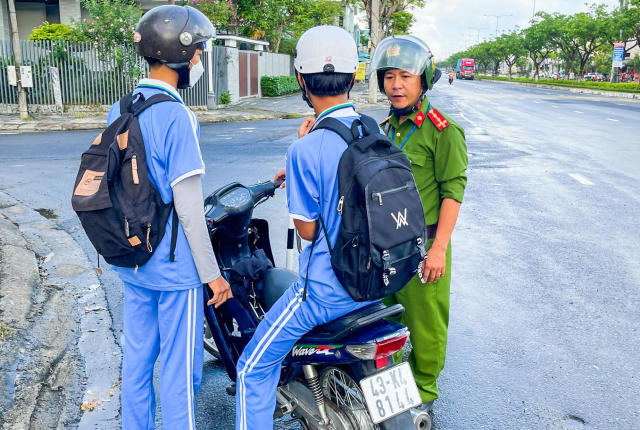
{"x":305,"y":97}
{"x":409,"y":109}
{"x":182,"y":69}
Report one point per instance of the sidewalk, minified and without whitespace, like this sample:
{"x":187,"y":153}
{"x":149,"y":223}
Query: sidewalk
{"x":253,"y":109}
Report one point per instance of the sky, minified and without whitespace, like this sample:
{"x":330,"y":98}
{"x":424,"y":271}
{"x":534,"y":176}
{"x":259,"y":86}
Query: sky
{"x":443,"y":24}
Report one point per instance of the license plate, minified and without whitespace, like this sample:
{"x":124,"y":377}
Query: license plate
{"x":390,"y":393}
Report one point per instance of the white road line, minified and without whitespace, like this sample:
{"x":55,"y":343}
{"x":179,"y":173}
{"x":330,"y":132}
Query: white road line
{"x":521,"y":98}
{"x":621,"y":104}
{"x":577,"y":111}
{"x":537,"y":102}
{"x":611,"y":119}
{"x":554,"y":106}
{"x":248,"y":128}
{"x":580,"y":178}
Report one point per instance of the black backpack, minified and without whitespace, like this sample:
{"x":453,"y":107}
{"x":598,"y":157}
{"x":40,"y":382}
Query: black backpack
{"x":383,"y":233}
{"x":120,"y":209}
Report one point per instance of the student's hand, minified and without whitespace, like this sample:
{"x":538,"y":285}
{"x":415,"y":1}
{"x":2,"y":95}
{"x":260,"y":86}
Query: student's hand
{"x":281,"y":176}
{"x":433,"y":267}
{"x":306,"y":125}
{"x":221,"y":292}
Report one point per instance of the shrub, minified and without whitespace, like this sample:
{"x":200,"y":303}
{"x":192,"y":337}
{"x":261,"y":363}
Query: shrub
{"x":54,"y":32}
{"x":569,"y":83}
{"x":225,"y":98}
{"x":273,"y":86}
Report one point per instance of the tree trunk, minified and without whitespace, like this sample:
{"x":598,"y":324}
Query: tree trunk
{"x":279,"y":39}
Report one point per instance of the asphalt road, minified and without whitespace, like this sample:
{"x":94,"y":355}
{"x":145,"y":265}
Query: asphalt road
{"x":544,"y":316}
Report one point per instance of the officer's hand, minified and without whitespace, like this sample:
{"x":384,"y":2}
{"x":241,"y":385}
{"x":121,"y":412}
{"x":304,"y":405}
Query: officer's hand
{"x":306,"y":125}
{"x":221,"y":292}
{"x":433,"y":268}
{"x":281,"y":176}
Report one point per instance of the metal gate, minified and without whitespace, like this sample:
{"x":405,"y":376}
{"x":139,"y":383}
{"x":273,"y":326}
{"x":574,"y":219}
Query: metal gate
{"x":248,"y":73}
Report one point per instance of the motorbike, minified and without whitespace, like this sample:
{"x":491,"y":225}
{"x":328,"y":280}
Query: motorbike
{"x":450,"y":79}
{"x":339,"y":376}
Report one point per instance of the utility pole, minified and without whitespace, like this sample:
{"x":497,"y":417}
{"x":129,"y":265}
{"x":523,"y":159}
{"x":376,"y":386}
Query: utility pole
{"x":497,"y":17}
{"x":375,"y":39}
{"x":22,"y":96}
{"x":479,"y":30}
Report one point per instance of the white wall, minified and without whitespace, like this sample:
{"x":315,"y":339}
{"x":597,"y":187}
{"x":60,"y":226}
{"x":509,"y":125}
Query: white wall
{"x":30,"y":16}
{"x":5,"y":33}
{"x":69,"y":9}
{"x":233,"y":78}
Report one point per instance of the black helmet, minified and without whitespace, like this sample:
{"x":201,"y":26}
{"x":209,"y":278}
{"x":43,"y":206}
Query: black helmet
{"x":170,"y":34}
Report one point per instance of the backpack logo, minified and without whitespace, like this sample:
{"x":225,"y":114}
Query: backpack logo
{"x":401,"y":219}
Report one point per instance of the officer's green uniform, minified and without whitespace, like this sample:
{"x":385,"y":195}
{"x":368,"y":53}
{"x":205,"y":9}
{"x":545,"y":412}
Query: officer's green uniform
{"x":438,"y":155}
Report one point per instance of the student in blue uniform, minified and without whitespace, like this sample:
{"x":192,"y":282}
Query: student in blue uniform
{"x":326,"y":61}
{"x":163,"y":300}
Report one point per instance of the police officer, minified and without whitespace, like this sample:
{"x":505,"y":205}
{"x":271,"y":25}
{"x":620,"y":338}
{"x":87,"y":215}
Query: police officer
{"x":436,"y":147}
{"x":163,"y":300}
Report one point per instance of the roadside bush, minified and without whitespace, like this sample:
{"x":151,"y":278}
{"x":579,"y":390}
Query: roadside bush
{"x":606,"y":86}
{"x":225,"y":98}
{"x":55,"y":32}
{"x":273,"y":86}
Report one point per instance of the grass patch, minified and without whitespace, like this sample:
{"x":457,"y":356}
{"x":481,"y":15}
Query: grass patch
{"x":80,"y":115}
{"x":604,"y":86}
{"x":3,"y":333}
{"x":293,"y":116}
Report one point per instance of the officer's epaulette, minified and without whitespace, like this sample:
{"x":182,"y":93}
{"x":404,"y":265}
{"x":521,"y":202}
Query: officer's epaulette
{"x":438,"y":119}
{"x":385,"y":121}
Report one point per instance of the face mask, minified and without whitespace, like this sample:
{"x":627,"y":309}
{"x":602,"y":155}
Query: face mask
{"x":195,"y":73}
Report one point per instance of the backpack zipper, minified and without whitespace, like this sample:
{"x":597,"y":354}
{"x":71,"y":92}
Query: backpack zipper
{"x":149,"y":247}
{"x":378,"y":196}
{"x":126,"y":226}
{"x":134,"y":171}
{"x":340,"y":204}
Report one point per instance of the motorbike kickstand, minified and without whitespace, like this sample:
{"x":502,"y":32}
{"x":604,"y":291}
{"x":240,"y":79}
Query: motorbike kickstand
{"x":287,"y":406}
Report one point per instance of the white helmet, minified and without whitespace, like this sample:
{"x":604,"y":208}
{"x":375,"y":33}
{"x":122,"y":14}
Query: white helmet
{"x":326,"y":49}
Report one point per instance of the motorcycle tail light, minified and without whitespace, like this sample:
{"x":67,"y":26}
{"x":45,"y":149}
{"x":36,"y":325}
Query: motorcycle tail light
{"x":379,"y":349}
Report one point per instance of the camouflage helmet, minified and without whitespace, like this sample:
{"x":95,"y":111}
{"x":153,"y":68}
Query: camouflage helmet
{"x":407,"y":53}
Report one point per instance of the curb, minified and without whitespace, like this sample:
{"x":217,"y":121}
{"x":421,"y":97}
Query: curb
{"x":71,"y":292}
{"x":612,"y":94}
{"x":205,"y":117}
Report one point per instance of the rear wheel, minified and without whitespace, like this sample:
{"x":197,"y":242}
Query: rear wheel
{"x":344,"y":392}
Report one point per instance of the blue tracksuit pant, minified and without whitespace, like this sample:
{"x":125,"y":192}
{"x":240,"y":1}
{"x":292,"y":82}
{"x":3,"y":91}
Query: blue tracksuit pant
{"x":259,"y":366}
{"x":169,"y":324}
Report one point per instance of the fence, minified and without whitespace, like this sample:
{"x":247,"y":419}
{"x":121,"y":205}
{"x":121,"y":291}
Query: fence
{"x":89,"y":76}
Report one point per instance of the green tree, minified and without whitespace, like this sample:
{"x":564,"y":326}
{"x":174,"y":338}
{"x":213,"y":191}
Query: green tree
{"x":590,"y":31}
{"x":401,"y":22}
{"x":559,"y":32}
{"x":510,"y":49}
{"x":537,"y":42}
{"x":387,"y":9}
{"x":55,"y":32}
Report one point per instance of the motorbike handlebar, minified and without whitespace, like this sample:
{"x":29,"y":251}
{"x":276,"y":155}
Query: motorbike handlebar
{"x":265,"y":189}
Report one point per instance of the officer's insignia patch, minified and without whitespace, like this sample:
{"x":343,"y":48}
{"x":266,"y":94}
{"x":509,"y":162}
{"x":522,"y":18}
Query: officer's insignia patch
{"x":393,"y":51}
{"x":437,"y":119}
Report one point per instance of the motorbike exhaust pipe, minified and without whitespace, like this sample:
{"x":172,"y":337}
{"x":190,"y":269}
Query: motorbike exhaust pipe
{"x":290,"y":238}
{"x":421,"y":420}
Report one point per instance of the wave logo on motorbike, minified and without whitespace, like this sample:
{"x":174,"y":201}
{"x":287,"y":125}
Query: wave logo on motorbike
{"x":306,"y":350}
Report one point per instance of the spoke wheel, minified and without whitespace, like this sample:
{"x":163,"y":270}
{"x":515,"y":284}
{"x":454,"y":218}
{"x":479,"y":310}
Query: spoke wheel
{"x":345,"y":393}
{"x":209,"y":344}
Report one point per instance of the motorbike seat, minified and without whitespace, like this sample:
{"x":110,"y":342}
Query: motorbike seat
{"x":343,"y":326}
{"x":276,"y":282}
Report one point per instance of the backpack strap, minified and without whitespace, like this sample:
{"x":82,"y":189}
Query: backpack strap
{"x":313,"y":245}
{"x":370,"y":123}
{"x":174,"y":235}
{"x":139,"y":106}
{"x":125,"y":103}
{"x":338,"y":128}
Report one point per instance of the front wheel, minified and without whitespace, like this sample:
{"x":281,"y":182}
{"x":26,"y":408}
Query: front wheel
{"x":210,"y":344}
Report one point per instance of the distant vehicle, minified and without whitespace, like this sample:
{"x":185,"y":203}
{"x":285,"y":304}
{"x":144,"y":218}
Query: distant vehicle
{"x":466,"y":68}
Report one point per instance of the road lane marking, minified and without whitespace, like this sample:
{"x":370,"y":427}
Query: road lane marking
{"x":620,"y":104}
{"x":248,"y":128}
{"x":521,"y":98}
{"x":554,"y":106}
{"x":537,"y":102}
{"x":577,"y":111}
{"x":581,"y":179}
{"x":611,"y":119}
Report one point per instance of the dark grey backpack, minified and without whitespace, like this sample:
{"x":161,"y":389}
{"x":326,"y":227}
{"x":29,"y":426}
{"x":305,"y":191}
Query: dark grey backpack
{"x":383,"y":232}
